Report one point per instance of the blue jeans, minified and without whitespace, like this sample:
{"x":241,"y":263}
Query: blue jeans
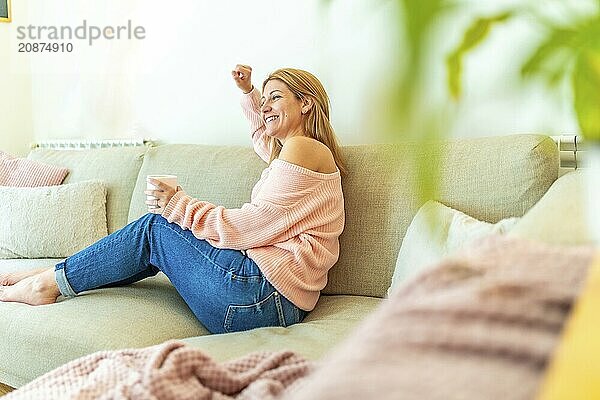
{"x":224,"y":289}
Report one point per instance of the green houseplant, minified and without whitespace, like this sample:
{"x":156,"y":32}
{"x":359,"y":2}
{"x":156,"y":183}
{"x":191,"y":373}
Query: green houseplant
{"x":570,"y":50}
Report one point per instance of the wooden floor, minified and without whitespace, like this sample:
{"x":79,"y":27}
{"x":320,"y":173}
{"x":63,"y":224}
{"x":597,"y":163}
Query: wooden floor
{"x":5,"y":389}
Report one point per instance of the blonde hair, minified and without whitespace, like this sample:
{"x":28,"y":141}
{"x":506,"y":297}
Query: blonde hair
{"x":316,"y":122}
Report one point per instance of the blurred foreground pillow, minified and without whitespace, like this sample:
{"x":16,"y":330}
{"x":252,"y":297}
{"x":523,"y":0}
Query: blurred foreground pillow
{"x":52,"y":221}
{"x":437,"y":231}
{"x":21,"y":172}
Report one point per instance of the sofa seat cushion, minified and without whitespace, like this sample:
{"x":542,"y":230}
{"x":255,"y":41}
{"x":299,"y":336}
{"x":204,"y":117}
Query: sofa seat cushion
{"x":329,"y":323}
{"x":34,"y":340}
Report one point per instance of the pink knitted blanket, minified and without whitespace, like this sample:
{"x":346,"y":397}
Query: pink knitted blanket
{"x":480,"y":325}
{"x":169,"y":371}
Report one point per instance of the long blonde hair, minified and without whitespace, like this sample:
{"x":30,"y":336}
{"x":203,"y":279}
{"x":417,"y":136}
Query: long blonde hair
{"x":316,"y":124}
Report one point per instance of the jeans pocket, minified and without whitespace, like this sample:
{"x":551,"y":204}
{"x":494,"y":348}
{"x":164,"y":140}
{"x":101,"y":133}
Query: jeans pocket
{"x":267,"y":312}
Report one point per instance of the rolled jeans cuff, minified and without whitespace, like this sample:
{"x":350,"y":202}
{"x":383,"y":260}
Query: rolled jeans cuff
{"x":61,"y":280}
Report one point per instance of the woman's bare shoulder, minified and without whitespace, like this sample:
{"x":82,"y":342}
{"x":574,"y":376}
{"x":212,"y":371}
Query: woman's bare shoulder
{"x":308,"y":153}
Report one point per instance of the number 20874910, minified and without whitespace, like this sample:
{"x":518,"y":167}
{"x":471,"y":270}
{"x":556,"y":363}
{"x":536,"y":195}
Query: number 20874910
{"x":45,"y":47}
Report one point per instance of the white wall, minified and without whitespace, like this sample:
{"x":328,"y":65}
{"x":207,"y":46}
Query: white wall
{"x":175,"y":84}
{"x":16,"y":123}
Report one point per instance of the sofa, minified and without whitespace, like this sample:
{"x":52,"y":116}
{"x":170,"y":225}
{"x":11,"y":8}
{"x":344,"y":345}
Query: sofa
{"x":488,"y":178}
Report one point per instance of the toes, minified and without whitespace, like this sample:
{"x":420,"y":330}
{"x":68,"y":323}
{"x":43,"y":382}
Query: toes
{"x":7,"y":293}
{"x":13,"y":278}
{"x":5,"y":280}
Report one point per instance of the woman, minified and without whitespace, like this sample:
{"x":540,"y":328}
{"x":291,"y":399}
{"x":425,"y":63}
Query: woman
{"x":263,"y":264}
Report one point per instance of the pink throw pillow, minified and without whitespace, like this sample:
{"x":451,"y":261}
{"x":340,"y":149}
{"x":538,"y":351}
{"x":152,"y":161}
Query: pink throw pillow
{"x":21,"y":172}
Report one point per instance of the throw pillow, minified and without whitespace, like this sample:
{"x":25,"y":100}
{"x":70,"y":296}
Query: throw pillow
{"x":560,"y":215}
{"x":53,"y":221}
{"x":21,"y":172}
{"x":437,"y":231}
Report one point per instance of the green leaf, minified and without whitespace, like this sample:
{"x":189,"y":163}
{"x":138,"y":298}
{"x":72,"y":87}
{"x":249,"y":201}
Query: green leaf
{"x":419,"y":16}
{"x":454,"y":68}
{"x":550,"y":59}
{"x":586,"y":90}
{"x":473,"y":36}
{"x":590,"y":33}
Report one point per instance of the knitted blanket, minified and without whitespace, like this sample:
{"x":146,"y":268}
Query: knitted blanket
{"x":480,"y":325}
{"x":169,"y":371}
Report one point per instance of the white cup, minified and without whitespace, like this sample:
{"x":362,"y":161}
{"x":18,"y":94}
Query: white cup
{"x":170,"y":180}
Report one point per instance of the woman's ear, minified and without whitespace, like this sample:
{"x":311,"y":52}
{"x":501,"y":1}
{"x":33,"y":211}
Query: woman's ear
{"x":307,"y":104}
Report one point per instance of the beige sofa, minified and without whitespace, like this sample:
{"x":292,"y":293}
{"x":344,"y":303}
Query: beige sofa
{"x":488,"y":178}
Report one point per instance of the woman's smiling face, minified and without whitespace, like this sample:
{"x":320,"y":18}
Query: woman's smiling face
{"x":281,"y":111}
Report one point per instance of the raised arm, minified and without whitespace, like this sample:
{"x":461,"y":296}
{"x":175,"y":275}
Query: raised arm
{"x":250,"y":103}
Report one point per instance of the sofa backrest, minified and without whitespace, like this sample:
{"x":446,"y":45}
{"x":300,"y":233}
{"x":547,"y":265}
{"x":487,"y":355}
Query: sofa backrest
{"x":222,"y":175}
{"x":117,"y":167}
{"x":488,"y":178}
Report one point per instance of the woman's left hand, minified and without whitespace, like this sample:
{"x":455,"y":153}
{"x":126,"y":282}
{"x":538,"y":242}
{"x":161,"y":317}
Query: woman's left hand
{"x":163,"y":194}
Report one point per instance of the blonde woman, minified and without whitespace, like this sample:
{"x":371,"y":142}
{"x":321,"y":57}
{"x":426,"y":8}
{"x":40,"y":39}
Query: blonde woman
{"x":263,"y":264}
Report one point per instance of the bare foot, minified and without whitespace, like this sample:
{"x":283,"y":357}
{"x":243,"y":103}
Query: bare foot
{"x":35,"y":290}
{"x":11,"y":278}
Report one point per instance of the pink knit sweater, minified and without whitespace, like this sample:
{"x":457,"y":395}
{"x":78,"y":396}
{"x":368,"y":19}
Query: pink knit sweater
{"x":290,"y":228}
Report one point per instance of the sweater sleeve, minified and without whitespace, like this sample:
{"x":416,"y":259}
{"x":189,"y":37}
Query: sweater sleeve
{"x":285,"y":206}
{"x":251,"y":107}
{"x":255,"y":224}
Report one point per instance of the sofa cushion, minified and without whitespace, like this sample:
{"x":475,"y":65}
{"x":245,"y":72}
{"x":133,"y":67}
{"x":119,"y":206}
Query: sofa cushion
{"x":560,"y":217}
{"x":488,"y":178}
{"x":438,"y":231}
{"x":145,"y":313}
{"x":22,"y":172}
{"x":324,"y":327}
{"x":117,"y":167}
{"x":77,"y":212}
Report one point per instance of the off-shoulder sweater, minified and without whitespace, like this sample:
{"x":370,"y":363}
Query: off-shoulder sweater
{"x":290,"y":227}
